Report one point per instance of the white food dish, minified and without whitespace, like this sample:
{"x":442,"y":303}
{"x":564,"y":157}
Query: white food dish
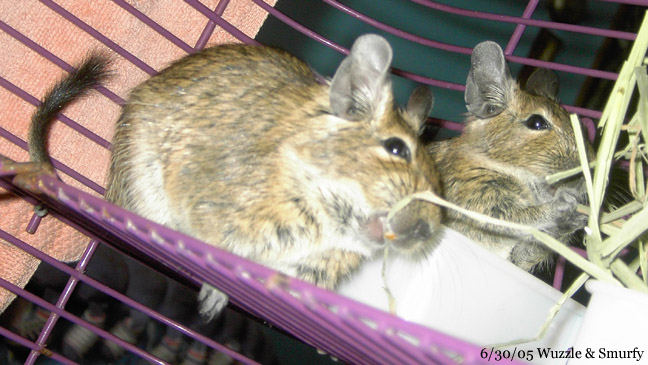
{"x":465,"y":291}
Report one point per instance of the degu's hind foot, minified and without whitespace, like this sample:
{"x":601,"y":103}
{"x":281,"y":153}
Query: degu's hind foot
{"x":212,"y":301}
{"x":27,"y":174}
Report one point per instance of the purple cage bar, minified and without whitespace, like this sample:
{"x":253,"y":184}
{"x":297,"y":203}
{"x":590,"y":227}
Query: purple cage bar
{"x":341,"y":327}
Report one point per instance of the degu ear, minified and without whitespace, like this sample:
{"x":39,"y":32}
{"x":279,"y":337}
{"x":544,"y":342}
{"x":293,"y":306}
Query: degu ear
{"x":359,"y":84}
{"x":420,"y":105}
{"x":543,"y":82}
{"x":488,"y":86}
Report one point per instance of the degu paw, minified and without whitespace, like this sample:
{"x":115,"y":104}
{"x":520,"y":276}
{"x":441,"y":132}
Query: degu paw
{"x":565,"y":201}
{"x":567,"y":218}
{"x":27,"y":174}
{"x":211,"y":302}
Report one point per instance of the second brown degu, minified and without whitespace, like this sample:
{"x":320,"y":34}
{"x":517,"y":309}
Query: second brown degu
{"x":247,"y":149}
{"x":513,"y":139}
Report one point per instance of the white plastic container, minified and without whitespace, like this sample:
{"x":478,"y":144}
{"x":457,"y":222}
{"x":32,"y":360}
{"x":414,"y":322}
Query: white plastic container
{"x":615,"y":327}
{"x":466,"y":291}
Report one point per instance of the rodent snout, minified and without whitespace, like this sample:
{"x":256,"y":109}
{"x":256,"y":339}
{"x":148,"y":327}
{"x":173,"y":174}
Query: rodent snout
{"x":414,"y":228}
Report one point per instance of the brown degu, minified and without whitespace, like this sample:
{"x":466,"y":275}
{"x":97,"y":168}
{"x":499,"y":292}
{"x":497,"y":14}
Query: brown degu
{"x":247,"y":149}
{"x":513,"y":139}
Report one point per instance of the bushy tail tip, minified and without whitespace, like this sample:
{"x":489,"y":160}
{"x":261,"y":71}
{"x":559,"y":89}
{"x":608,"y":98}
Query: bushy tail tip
{"x":92,"y":71}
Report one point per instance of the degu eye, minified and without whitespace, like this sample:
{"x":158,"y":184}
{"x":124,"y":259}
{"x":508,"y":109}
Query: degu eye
{"x":536,"y":122}
{"x":397,"y":147}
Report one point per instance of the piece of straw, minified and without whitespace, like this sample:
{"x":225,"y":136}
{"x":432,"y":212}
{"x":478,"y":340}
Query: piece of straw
{"x":390,"y":297}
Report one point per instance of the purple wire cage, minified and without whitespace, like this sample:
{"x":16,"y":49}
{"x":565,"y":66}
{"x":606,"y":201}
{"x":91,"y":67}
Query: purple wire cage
{"x":339,"y":326}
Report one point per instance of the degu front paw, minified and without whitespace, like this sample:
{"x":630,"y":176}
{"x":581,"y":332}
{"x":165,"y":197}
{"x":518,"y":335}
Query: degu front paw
{"x":565,"y":205}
